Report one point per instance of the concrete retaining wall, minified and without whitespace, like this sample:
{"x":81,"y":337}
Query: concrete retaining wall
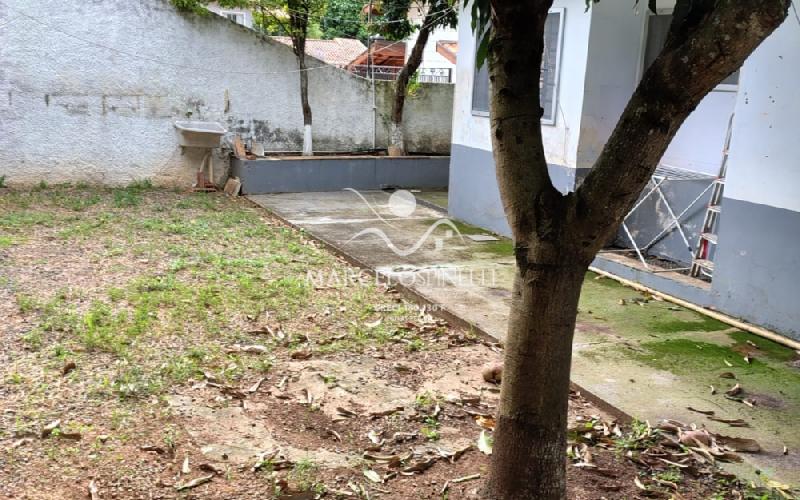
{"x":91,"y":90}
{"x":318,"y":174}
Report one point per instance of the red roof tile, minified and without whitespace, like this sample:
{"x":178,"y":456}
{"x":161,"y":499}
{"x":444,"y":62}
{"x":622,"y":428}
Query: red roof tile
{"x":337,"y":52}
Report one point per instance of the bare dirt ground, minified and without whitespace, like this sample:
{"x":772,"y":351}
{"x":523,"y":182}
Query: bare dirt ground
{"x":155,"y":344}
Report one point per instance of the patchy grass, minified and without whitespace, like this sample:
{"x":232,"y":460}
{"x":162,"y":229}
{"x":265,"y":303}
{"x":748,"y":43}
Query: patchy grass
{"x":117,"y":301}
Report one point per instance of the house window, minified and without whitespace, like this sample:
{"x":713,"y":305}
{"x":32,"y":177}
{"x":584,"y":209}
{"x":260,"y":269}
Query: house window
{"x":480,"y":90}
{"x":236,"y":17}
{"x":548,"y":84}
{"x":657,"y":31}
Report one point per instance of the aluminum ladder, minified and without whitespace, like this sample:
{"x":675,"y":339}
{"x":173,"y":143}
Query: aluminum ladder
{"x":702,"y":263}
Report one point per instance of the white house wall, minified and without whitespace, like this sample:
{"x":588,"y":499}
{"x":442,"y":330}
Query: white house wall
{"x":616,"y":51}
{"x":758,"y":258}
{"x":431,"y":58}
{"x":246,"y":14}
{"x":474,"y":196}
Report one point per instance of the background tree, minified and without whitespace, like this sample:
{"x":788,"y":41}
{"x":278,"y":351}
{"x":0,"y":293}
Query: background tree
{"x":292,"y":18}
{"x":344,"y":19}
{"x":556,"y":236}
{"x":394,"y":24}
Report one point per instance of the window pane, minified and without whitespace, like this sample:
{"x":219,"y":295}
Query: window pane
{"x":480,"y":89}
{"x":733,"y":79}
{"x":657,"y":30}
{"x":549,"y":77}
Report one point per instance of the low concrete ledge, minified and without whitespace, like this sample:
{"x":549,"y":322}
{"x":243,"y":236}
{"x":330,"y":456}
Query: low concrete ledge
{"x":675,"y":284}
{"x":334,"y":173}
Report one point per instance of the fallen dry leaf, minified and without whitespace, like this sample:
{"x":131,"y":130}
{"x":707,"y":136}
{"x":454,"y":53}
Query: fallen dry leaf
{"x":704,"y":412}
{"x":373,"y":476}
{"x":485,"y":443}
{"x":738,"y":444}
{"x":94,"y":493}
{"x":49,"y":428}
{"x":302,"y":354}
{"x":734,"y":391}
{"x":485,"y":422}
{"x":695,"y":438}
{"x":252,"y":349}
{"x":493,"y":373}
{"x":68,"y":367}
{"x":194,"y":483}
{"x":733,"y":422}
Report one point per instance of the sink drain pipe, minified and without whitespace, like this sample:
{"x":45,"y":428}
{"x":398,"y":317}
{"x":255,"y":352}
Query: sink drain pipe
{"x":755,"y":330}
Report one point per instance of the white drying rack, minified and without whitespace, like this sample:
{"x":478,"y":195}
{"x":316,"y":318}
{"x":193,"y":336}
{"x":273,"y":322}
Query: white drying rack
{"x":665,"y":173}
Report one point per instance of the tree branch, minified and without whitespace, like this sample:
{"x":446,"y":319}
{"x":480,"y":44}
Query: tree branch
{"x":531,"y":203}
{"x":707,"y":42}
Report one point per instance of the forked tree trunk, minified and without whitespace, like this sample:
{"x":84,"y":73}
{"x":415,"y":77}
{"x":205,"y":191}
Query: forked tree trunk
{"x":397,"y":145}
{"x":530,"y":438}
{"x":555,"y":236}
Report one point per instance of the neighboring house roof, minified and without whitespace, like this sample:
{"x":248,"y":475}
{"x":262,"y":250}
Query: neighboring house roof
{"x":384,"y":53}
{"x":448,"y":49}
{"x":337,"y":52}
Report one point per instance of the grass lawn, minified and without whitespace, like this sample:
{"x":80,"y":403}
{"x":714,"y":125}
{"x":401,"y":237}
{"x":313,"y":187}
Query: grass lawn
{"x":154,"y":341}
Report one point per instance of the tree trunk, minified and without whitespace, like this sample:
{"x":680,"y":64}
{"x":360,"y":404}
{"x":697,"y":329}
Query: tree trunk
{"x":397,"y":146}
{"x":530,"y":439}
{"x":308,"y":149}
{"x":556,"y":236}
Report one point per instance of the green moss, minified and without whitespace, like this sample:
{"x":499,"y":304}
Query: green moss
{"x":466,"y":229}
{"x":598,"y":279}
{"x":698,"y":324}
{"x":503,"y":247}
{"x":703,"y":362}
{"x":688,"y":356}
{"x":764,"y":346}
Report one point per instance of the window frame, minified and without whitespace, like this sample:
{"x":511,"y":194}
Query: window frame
{"x":722,"y":87}
{"x":561,"y":11}
{"x":238,"y":16}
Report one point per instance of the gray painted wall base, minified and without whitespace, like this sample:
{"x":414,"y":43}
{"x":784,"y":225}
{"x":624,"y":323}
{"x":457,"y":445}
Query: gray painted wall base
{"x":474,"y":195}
{"x":334,"y":173}
{"x":757,"y":265}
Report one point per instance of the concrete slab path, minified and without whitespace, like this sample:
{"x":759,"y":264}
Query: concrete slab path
{"x":648,"y":358}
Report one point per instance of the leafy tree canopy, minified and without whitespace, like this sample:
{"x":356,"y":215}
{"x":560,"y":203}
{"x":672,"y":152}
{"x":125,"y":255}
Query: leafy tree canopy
{"x":393,"y":22}
{"x":344,"y":19}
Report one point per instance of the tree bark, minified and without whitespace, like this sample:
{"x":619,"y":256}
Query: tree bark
{"x":556,"y":236}
{"x":397,"y":146}
{"x":530,"y":439}
{"x":308,"y":149}
{"x":298,"y":25}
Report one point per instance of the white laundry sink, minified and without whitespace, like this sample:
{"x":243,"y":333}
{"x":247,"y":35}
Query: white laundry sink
{"x":198,"y":134}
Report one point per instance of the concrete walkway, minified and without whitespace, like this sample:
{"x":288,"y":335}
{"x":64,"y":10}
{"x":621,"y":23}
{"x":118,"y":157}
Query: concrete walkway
{"x":648,"y":358}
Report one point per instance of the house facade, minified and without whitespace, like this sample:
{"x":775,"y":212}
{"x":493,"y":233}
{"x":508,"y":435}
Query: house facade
{"x":236,"y":14}
{"x":592,"y":63}
{"x":439,"y":57}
